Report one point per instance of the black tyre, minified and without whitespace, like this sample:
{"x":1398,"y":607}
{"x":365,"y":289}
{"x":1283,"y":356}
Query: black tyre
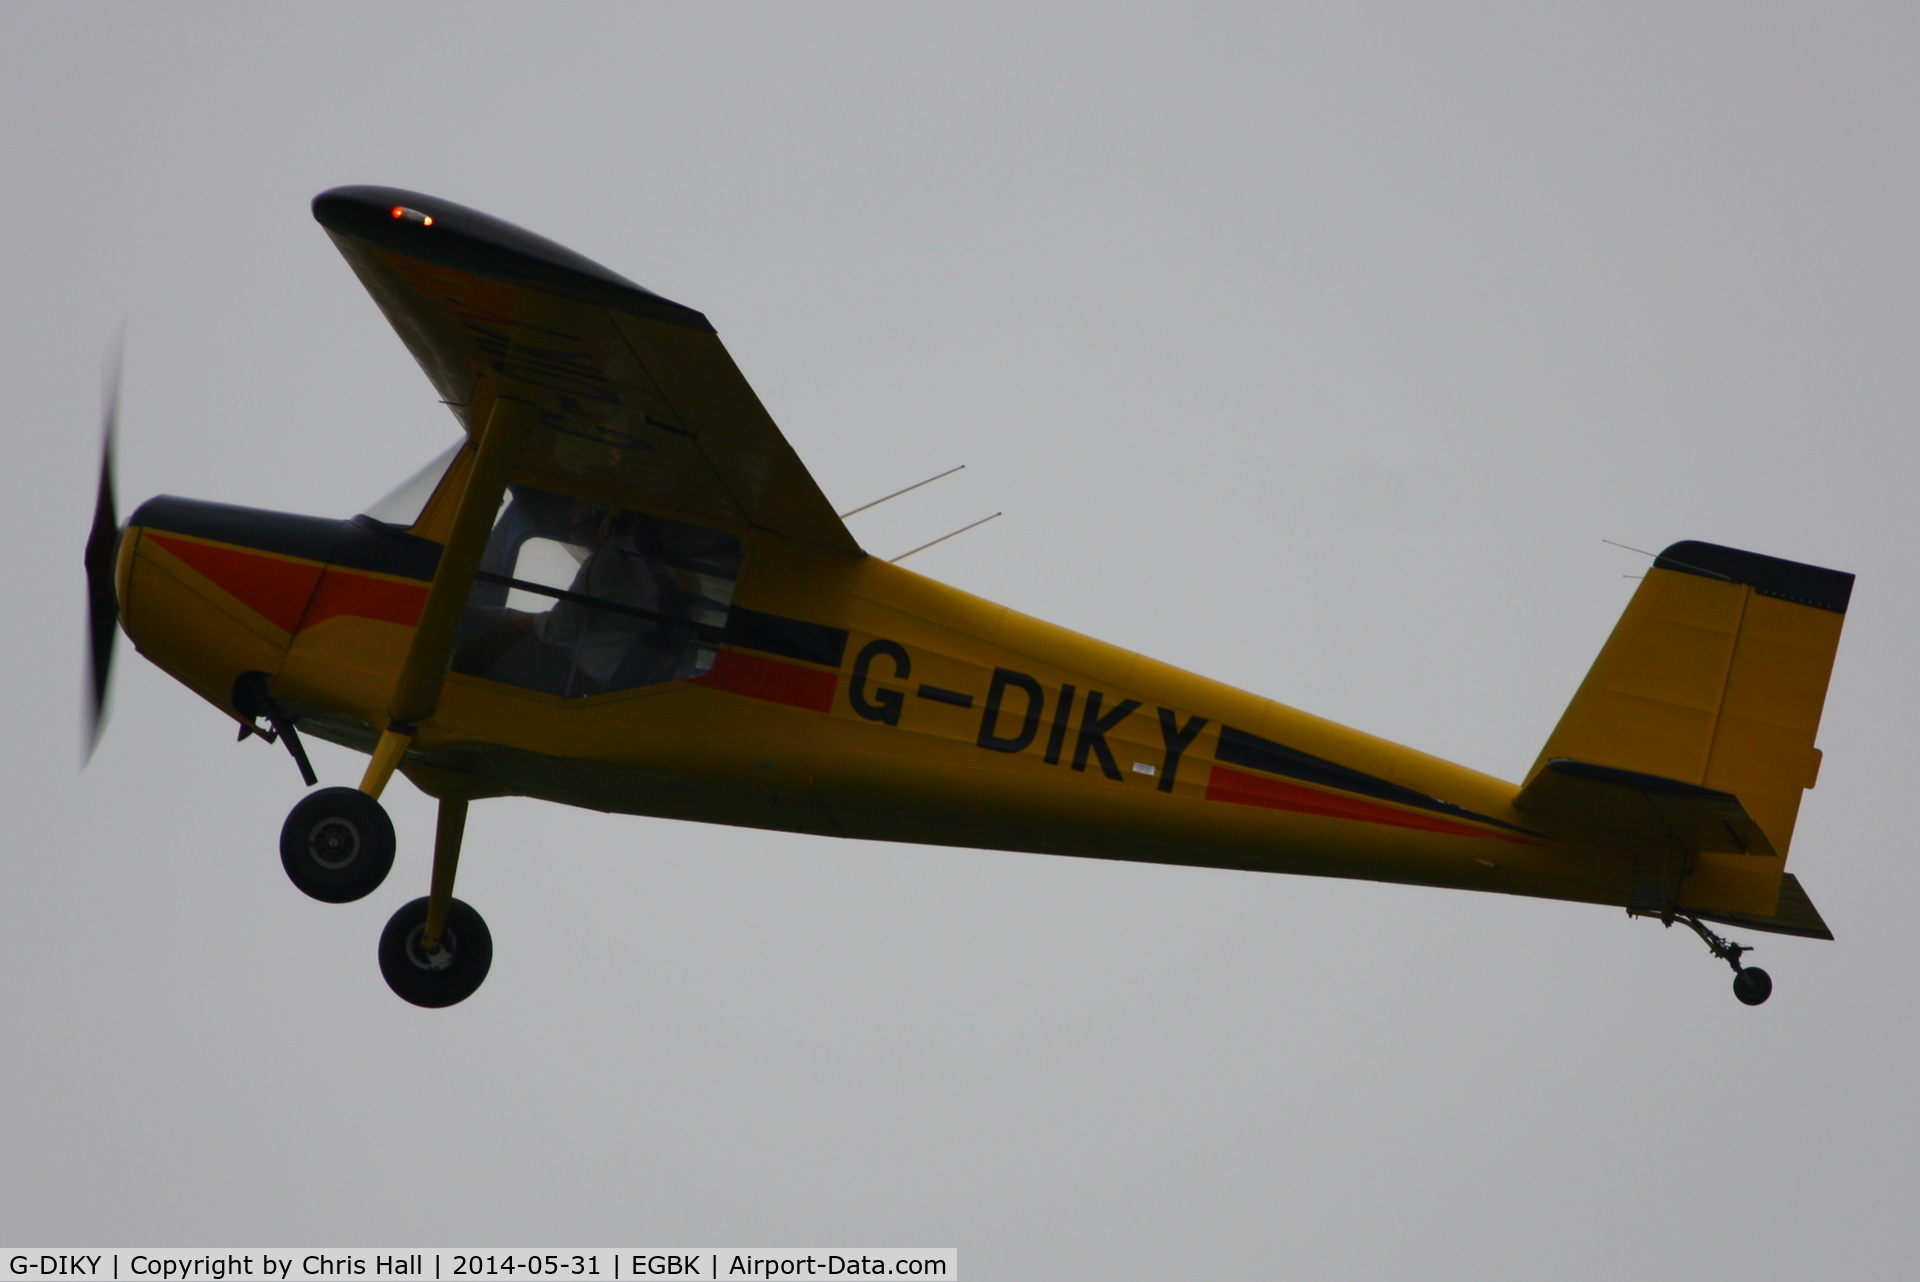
{"x":1753,"y":985}
{"x":337,"y":845}
{"x":448,"y":976}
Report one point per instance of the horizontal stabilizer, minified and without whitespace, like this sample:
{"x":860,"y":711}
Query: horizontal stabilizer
{"x":1578,"y":798}
{"x":1796,"y":914}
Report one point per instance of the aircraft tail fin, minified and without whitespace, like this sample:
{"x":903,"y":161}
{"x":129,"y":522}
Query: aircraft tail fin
{"x":1699,"y":717}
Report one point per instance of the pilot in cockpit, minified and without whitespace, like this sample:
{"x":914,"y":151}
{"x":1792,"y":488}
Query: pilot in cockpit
{"x":614,"y":628}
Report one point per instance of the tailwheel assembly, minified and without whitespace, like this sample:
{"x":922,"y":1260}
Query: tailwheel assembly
{"x":1750,"y":984}
{"x":337,"y":845}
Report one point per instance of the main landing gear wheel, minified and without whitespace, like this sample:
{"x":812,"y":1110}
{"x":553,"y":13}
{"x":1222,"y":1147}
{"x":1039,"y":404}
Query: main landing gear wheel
{"x":446,"y":976}
{"x":337,"y":845}
{"x":1752,"y":985}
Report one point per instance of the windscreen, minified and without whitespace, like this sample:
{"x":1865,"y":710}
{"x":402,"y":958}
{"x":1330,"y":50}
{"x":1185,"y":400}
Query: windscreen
{"x":402,"y":507}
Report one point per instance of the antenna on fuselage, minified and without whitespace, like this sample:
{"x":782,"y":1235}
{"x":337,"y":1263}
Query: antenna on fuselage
{"x":942,"y":539}
{"x":897,"y":493}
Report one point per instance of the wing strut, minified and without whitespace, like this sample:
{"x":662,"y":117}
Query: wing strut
{"x":417,"y":692}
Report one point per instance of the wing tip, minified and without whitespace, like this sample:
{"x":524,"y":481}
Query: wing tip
{"x":452,"y":235}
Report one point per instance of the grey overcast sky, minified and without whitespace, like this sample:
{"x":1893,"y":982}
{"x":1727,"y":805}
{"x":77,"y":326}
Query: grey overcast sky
{"x":1315,"y":348}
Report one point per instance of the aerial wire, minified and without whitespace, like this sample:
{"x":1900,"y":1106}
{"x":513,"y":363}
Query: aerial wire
{"x":1657,"y":556}
{"x":942,"y":539}
{"x":897,"y":493}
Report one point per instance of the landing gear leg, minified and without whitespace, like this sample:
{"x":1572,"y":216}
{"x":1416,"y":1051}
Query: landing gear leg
{"x":1750,"y":984}
{"x":436,"y":951}
{"x":447,"y":836}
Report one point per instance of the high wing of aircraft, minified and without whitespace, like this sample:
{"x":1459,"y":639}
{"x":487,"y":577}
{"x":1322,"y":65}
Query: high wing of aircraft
{"x":624,"y":591}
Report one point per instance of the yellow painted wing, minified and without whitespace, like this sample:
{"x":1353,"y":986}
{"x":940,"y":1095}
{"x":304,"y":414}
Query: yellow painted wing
{"x":635,"y":398}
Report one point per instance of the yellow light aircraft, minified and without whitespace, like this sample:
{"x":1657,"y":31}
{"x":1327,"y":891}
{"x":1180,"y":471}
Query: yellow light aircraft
{"x":622,"y":590}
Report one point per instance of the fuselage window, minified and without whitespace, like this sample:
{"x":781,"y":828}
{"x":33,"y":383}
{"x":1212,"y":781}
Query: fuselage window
{"x":576,"y":598}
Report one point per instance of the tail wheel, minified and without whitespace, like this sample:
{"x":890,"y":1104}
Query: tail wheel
{"x":446,"y":976}
{"x":337,"y":845}
{"x":1752,"y":985}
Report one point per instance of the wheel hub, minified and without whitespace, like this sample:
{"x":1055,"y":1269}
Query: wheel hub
{"x":334,"y":843}
{"x":440,"y":958}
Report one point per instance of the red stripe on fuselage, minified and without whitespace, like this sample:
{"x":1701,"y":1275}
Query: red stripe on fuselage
{"x":344,"y":592}
{"x":276,"y":589}
{"x":1277,"y":794}
{"x":770,"y":679}
{"x":295,"y":595}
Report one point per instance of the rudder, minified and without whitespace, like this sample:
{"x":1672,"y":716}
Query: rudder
{"x":1714,"y":677}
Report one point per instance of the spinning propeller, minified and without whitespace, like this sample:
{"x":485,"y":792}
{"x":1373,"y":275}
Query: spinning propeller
{"x":103,"y":605}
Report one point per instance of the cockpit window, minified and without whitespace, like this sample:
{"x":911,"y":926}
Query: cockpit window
{"x":576,"y":598}
{"x":405,"y":504}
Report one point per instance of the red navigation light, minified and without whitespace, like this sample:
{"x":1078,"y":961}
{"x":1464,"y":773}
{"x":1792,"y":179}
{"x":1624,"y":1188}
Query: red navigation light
{"x":399,"y":211}
{"x":412,"y":215}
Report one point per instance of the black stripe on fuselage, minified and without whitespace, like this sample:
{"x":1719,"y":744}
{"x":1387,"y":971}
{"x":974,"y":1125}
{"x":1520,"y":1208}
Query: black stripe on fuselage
{"x":788,"y":638}
{"x":1238,"y":748}
{"x":359,"y":544}
{"x":367,"y":544}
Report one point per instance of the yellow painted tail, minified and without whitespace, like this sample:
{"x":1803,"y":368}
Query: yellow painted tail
{"x":1691,"y":739}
